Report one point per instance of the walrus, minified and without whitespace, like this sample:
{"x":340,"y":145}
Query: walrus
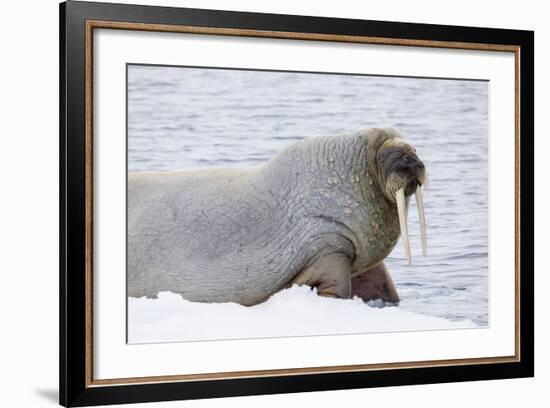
{"x":325,"y":212}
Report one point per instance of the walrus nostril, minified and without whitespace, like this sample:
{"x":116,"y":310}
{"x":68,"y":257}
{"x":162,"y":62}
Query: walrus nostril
{"x":417,"y":165}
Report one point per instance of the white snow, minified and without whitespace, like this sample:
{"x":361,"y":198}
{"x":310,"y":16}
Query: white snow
{"x":296,"y":311}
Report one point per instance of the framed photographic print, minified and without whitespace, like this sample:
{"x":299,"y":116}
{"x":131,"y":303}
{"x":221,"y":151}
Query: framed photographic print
{"x":257,"y":203}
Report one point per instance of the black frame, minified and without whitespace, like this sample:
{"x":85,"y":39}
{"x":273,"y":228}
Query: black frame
{"x":73,"y":390}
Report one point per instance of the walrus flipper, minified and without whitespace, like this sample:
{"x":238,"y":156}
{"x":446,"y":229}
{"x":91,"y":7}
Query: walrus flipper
{"x":375,"y":283}
{"x":330,"y":274}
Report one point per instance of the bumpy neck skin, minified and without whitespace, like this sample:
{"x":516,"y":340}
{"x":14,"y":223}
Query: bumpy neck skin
{"x":336,"y":179}
{"x":331,"y":173}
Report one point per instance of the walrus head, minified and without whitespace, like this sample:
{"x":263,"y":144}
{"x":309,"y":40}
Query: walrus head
{"x":401,"y":174}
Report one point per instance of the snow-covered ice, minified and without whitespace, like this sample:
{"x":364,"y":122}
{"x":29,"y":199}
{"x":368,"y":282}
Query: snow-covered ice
{"x":296,"y":311}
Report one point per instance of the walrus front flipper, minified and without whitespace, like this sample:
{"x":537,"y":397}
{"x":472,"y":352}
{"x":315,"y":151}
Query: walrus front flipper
{"x":375,"y":283}
{"x":330,"y":274}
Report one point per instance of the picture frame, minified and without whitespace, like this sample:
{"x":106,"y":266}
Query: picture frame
{"x":79,"y":21}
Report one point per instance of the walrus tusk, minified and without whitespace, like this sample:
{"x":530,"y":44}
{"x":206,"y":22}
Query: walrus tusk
{"x":402,"y":213}
{"x":422,"y":218}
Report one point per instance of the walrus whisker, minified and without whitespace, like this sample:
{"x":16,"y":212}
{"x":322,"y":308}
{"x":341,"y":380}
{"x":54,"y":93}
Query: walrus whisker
{"x":422,"y":218}
{"x":402,"y":214}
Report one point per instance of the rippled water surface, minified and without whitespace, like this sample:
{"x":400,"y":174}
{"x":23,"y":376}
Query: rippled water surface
{"x":180,"y":118}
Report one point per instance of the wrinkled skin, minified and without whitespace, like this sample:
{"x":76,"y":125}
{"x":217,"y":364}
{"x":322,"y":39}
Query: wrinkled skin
{"x":320,"y":213}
